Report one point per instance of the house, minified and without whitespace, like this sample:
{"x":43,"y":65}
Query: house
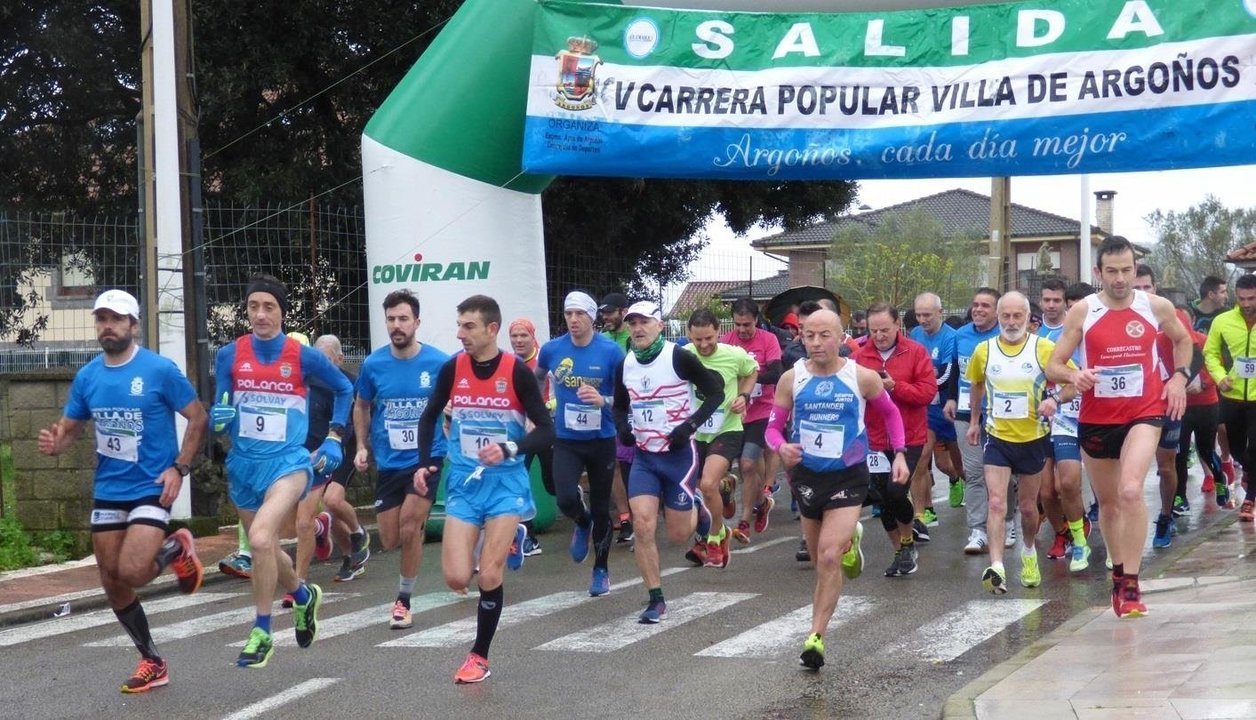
{"x":1243,"y":258}
{"x":759,"y":290}
{"x":696,"y":294}
{"x":960,"y":212}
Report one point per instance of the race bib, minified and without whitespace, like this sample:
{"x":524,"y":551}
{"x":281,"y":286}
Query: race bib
{"x":1119,"y":381}
{"x":649,"y":415}
{"x":756,"y":391}
{"x":263,"y":423}
{"x":1073,"y":408}
{"x":402,"y":435}
{"x":472,"y":439}
{"x":581,"y":418}
{"x":713,"y":423}
{"x":963,"y":402}
{"x":1245,"y":367}
{"x":821,"y":440}
{"x":118,"y":446}
{"x":1010,"y":406}
{"x":878,"y":463}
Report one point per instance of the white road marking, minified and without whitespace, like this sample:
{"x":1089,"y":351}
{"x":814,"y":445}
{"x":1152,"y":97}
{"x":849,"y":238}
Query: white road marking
{"x":948,"y":636}
{"x":96,"y":618}
{"x":759,"y":546}
{"x":624,"y":631}
{"x":785,"y":633}
{"x":462,"y":632}
{"x":373,"y":617}
{"x":296,"y":692}
{"x":204,"y":625}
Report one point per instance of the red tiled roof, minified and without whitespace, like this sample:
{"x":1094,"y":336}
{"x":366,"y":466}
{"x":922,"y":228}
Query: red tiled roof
{"x":696,"y":294}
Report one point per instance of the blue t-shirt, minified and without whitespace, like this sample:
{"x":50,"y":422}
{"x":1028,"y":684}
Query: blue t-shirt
{"x":398,"y":390}
{"x":594,"y":364}
{"x":133,"y":406}
{"x":941,"y":348}
{"x":967,"y":338}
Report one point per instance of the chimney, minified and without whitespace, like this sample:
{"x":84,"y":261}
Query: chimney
{"x":1103,"y":209}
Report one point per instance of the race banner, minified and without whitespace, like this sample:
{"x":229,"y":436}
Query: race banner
{"x":1070,"y":86}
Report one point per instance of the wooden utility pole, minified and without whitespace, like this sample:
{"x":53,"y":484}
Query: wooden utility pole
{"x":1001,"y":272}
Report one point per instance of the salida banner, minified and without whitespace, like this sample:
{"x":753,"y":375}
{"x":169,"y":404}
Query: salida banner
{"x":1011,"y":89}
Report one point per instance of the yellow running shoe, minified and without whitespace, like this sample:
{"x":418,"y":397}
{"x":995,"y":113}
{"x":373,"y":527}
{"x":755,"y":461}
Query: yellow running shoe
{"x":853,"y":559}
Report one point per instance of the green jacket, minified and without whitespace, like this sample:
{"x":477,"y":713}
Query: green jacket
{"x":1230,"y":351}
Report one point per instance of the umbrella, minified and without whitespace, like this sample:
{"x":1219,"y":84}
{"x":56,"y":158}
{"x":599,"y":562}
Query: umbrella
{"x":785,"y":301}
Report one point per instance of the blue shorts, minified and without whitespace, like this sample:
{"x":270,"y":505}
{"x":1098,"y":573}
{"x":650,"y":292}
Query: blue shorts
{"x":1170,"y":434}
{"x":498,"y":492}
{"x":1065,"y":447}
{"x":1022,"y":458}
{"x":943,"y":430}
{"x":671,"y":475}
{"x":248,"y":478}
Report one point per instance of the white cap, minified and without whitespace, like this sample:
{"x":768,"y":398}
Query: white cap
{"x":577,"y":300}
{"x":644,"y":308}
{"x":119,"y":301}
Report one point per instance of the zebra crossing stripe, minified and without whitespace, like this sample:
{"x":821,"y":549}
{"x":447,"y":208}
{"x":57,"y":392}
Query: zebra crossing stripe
{"x":948,"y":636}
{"x":296,"y":692}
{"x":96,"y":618}
{"x":625,"y":631}
{"x":785,"y":633}
{"x":373,"y":617}
{"x":462,"y":632}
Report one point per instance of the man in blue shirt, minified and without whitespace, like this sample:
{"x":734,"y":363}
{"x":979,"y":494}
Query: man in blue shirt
{"x":132,"y":395}
{"x":938,"y":338}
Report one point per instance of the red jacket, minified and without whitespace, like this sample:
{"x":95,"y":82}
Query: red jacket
{"x":915,"y":384}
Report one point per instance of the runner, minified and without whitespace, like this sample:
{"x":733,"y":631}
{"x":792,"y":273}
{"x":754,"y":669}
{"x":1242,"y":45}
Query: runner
{"x":938,"y":339}
{"x":522,"y":334}
{"x":720,"y":438}
{"x":394,"y":386}
{"x":982,"y":327}
{"x":1200,"y":421}
{"x":131,"y":394}
{"x":584,"y":366}
{"x":757,"y":468}
{"x":611,"y":312}
{"x":492,"y":395}
{"x":1124,"y":402}
{"x":657,"y":387}
{"x":826,"y":454}
{"x":1229,"y":355}
{"x":908,"y":377}
{"x":1007,"y":383}
{"x":262,"y":380}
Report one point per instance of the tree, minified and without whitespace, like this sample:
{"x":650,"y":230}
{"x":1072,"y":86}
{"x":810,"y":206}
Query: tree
{"x":901,"y":256}
{"x":1193,"y":244}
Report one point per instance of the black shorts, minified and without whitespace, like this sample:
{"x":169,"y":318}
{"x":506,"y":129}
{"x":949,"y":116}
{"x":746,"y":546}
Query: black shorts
{"x":726,"y":445}
{"x":753,"y":433}
{"x":879,"y":490}
{"x":1023,"y":458}
{"x":820,"y":491}
{"x":111,"y":515}
{"x":1104,"y":442}
{"x":392,"y":486}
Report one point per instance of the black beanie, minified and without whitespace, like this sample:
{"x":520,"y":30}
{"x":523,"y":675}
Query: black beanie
{"x":270,"y":285}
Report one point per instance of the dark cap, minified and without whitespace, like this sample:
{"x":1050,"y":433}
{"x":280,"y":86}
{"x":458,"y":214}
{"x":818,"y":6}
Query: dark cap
{"x":614,"y":301}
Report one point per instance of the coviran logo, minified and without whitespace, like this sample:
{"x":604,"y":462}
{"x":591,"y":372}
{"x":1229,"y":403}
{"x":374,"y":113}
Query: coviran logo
{"x":419,"y":271}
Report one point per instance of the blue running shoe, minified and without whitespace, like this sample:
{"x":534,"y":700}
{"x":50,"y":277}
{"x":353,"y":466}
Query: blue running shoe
{"x":601,"y":584}
{"x":1093,"y":513}
{"x":1164,"y":533}
{"x":704,"y":518}
{"x":514,"y":560}
{"x":655,"y":612}
{"x":580,"y":542}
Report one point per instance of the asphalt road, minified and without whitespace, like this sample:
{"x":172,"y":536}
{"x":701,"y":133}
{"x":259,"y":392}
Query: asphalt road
{"x":899,"y":646}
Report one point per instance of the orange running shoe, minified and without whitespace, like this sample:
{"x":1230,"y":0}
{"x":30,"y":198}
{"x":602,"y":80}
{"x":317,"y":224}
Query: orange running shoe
{"x":148,"y":674}
{"x":1247,"y":511}
{"x":187,"y":567}
{"x":714,"y":555}
{"x":741,"y":533}
{"x":1131,"y":605}
{"x":474,"y":669}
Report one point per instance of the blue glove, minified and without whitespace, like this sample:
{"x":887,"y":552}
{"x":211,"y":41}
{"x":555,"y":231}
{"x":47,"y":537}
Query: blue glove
{"x":222,"y":414}
{"x":328,"y":457}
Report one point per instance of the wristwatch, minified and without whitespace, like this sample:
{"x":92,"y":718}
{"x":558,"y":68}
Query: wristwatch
{"x":1185,"y":373}
{"x":511,"y":448}
{"x":183,"y":468}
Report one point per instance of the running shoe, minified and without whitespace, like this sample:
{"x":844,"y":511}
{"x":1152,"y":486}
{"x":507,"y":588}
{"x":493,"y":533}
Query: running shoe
{"x":236,"y":565}
{"x":1009,"y":537}
{"x":288,"y":601}
{"x":876,"y":510}
{"x":401,"y":619}
{"x":1209,"y":485}
{"x":1030,"y":575}
{"x":762,"y":513}
{"x":977,"y":543}
{"x":1059,"y":547}
{"x":305,"y":617}
{"x":698,"y":553}
{"x":853,"y":559}
{"x":474,"y":669}
{"x":956,"y":496}
{"x":601,"y":583}
{"x":655,"y":611}
{"x":741,"y":533}
{"x":994,"y":581}
{"x":774,"y":487}
{"x":148,"y":674}
{"x":1093,"y":513}
{"x":257,"y":650}
{"x":1079,"y":558}
{"x":625,"y":533}
{"x":514,"y":560}
{"x":919,"y":531}
{"x":531,"y":546}
{"x":1131,"y":601}
{"x":892,"y":570}
{"x":726,"y":546}
{"x":1107,"y":563}
{"x":580,"y":542}
{"x":1246,"y":511}
{"x":348,"y":571}
{"x":187,"y":567}
{"x":705,"y":520}
{"x":322,"y":536}
{"x":812,"y":656}
{"x":727,"y":485}
{"x":714,"y":555}
{"x":361,"y":555}
{"x":1181,"y":506}
{"x":801,"y":554}
{"x":1163,"y":537}
{"x":930,"y":517}
{"x":1224,"y":498}
{"x":907,"y":563}
{"x":1227,"y":469}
